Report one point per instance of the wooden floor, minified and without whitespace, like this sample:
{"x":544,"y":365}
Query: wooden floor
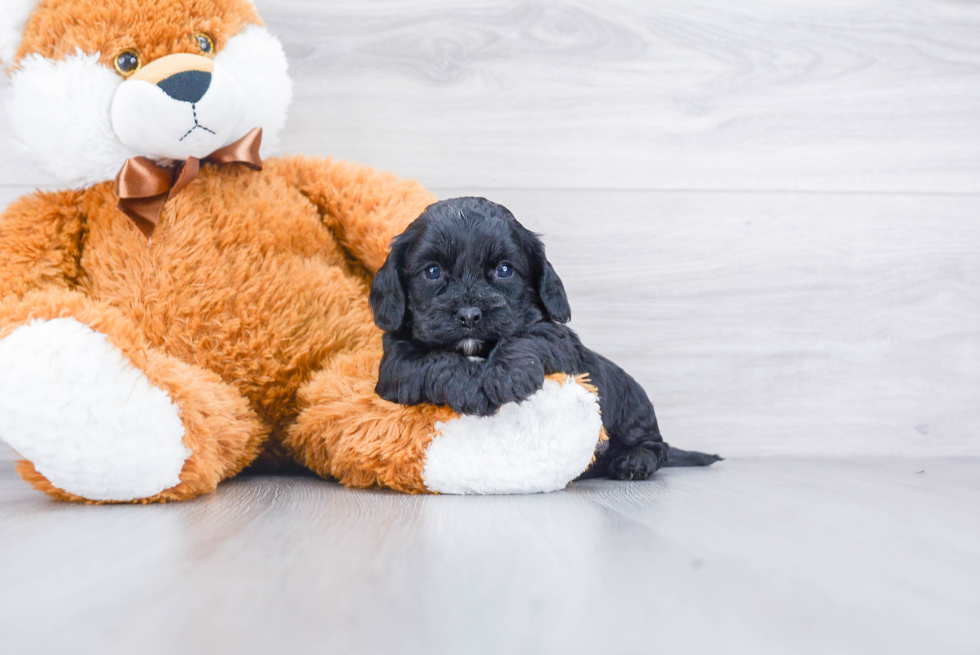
{"x":766,"y":211}
{"x":756,"y":555}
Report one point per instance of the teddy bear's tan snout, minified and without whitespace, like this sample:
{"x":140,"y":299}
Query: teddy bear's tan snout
{"x":182,"y":76}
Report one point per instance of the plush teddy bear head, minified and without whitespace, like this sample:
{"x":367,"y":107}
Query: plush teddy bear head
{"x":96,"y":82}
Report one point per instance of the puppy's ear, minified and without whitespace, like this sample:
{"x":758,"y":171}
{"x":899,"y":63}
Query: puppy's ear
{"x":387,"y":292}
{"x":552,"y":293}
{"x":550,"y":289}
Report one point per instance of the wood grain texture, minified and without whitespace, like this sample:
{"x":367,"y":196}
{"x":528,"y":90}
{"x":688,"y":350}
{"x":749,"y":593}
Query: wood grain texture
{"x":767,"y":323}
{"x":874,"y":95}
{"x":752,"y":556}
{"x":810,"y":328}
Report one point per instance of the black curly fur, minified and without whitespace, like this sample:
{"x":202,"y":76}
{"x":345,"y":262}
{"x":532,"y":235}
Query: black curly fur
{"x":475,"y":337}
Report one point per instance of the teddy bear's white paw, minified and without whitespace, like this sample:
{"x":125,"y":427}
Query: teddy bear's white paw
{"x":539,"y":445}
{"x":73,"y":405}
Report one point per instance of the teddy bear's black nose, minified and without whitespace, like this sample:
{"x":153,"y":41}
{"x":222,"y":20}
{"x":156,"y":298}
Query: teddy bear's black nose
{"x":189,"y":86}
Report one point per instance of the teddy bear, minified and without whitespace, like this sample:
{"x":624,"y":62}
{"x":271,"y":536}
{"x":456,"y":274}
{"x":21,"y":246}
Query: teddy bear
{"x":187,"y":305}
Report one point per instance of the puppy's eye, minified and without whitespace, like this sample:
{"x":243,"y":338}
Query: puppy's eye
{"x":205,"y":43}
{"x":432,"y":273}
{"x":504,"y":271}
{"x":127,"y":62}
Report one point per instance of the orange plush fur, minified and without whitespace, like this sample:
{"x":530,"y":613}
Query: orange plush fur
{"x":154,"y":30}
{"x":252,"y":282}
{"x":249,"y":305}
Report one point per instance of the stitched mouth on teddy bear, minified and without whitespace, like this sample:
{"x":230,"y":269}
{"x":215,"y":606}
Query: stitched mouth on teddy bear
{"x":197,"y":126}
{"x":177,"y":107}
{"x":60,"y":109}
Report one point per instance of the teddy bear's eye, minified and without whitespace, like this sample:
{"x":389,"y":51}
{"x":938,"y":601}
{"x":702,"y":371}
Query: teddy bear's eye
{"x":128,"y":62}
{"x":204,"y":43}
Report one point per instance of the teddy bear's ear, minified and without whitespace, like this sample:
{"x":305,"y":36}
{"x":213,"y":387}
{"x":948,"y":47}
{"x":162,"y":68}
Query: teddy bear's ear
{"x":13,"y":18}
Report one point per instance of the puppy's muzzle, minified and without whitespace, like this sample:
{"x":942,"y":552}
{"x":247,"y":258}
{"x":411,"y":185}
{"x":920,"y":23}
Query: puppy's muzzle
{"x":183,"y":77}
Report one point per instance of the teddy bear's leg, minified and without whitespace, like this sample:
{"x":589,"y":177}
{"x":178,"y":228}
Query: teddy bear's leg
{"x":346,"y":431}
{"x":101,"y":416}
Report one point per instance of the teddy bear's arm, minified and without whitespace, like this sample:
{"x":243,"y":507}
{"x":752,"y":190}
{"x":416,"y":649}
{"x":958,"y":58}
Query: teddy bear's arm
{"x":365,"y":208}
{"x":40,"y":243}
{"x":344,"y":430}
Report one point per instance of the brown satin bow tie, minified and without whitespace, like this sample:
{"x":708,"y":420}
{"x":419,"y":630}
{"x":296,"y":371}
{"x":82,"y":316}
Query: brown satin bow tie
{"x":145,"y":187}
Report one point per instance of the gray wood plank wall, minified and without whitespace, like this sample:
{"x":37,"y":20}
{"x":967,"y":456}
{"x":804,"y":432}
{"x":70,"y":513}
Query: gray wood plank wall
{"x":766,"y":211}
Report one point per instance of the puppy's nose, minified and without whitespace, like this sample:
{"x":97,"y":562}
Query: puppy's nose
{"x":189,"y":86}
{"x":469,"y":316}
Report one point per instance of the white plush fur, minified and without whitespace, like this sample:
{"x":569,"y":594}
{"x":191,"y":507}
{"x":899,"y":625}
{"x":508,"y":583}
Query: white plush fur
{"x":13,"y":18}
{"x":147,"y":120}
{"x":255,"y":58}
{"x":61,"y":112}
{"x":535,"y":446}
{"x":58,"y":112}
{"x":89,"y":421}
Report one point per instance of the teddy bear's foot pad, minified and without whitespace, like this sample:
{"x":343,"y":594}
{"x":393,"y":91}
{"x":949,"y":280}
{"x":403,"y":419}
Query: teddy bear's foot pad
{"x":87,"y":419}
{"x":535,"y":446}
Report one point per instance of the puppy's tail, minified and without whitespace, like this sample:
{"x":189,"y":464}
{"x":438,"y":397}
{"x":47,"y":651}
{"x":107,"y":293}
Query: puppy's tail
{"x":678,"y":457}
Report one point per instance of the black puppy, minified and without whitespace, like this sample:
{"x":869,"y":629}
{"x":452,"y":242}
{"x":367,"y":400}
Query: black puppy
{"x":473,"y":316}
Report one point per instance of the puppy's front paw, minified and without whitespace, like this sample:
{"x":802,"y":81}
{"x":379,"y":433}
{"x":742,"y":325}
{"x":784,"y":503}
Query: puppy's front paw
{"x":475,"y":404}
{"x":513,"y":375}
{"x":639,"y":462}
